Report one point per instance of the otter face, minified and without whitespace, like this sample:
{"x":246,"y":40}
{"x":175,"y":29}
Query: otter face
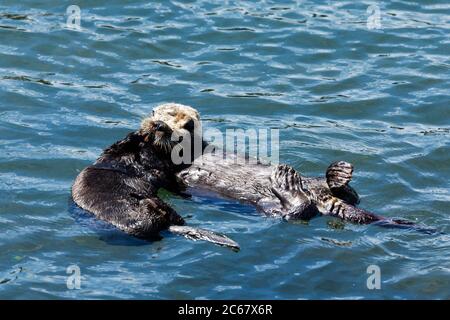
{"x":171,"y":119}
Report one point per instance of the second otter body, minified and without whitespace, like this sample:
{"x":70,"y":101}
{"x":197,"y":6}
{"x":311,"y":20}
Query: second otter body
{"x":281,"y":191}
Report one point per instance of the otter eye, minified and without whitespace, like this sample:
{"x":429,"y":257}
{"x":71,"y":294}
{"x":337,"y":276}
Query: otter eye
{"x":189,"y":125}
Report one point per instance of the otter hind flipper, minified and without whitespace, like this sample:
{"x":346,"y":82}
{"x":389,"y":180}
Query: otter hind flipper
{"x":338,"y":175}
{"x":202,"y":234}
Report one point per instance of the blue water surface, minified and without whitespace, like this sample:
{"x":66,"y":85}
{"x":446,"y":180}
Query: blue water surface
{"x":339,"y":83}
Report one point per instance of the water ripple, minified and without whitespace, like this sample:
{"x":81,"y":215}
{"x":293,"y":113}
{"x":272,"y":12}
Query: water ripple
{"x":336,"y":90}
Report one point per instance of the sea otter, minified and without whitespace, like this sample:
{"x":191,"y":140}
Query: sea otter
{"x":280,"y":191}
{"x":121,"y":186}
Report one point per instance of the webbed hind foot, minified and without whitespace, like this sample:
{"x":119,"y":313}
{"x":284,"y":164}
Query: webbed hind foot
{"x":339,"y":174}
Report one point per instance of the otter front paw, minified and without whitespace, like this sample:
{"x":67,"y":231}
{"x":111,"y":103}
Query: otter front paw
{"x":287,"y":187}
{"x":286,"y":178}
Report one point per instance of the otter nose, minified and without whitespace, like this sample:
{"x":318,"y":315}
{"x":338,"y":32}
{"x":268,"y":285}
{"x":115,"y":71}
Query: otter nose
{"x":190,"y":125}
{"x":158,"y":125}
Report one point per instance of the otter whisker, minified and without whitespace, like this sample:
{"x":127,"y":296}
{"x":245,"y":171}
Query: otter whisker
{"x":163,"y":143}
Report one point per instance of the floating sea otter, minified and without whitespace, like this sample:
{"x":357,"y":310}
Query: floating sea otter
{"x":121,"y":186}
{"x":280,"y":191}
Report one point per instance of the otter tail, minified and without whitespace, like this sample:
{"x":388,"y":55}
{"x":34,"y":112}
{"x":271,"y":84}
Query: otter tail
{"x":202,"y":234}
{"x":337,"y":208}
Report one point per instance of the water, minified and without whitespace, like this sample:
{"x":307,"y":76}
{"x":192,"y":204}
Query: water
{"x":334,"y":87}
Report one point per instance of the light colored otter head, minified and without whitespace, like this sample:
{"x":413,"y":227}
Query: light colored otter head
{"x":171,"y":120}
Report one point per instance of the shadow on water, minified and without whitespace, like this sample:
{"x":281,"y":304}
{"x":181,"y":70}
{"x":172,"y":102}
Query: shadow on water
{"x":106,"y":231}
{"x":335,"y":88}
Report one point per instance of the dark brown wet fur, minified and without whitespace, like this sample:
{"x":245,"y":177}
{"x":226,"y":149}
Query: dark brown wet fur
{"x":121,"y":186}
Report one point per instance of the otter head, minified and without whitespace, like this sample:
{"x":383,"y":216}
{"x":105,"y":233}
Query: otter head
{"x":170,"y":121}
